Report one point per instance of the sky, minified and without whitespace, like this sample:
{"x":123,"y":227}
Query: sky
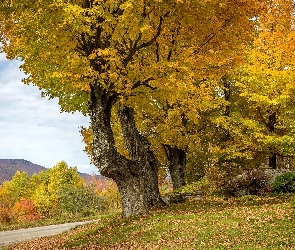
{"x":32,"y":128}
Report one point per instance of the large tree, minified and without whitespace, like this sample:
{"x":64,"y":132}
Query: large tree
{"x":252,"y":122}
{"x":266,"y":84}
{"x":95,"y":54}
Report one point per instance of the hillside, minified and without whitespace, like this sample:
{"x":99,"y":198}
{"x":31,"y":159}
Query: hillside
{"x":8,"y":168}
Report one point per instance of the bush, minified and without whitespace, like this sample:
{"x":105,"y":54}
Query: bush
{"x":80,"y":201}
{"x":201,"y":185}
{"x":253,"y":182}
{"x":227,"y":182}
{"x":284,"y":183}
{"x":25,"y":211}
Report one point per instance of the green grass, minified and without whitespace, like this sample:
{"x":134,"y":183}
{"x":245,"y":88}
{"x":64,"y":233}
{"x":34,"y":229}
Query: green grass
{"x":256,"y":223}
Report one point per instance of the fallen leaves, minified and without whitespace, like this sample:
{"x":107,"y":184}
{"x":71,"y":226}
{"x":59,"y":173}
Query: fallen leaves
{"x":261,"y":224}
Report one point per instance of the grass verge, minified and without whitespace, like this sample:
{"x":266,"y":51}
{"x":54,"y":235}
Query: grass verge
{"x":256,"y":223}
{"x":46,"y":222}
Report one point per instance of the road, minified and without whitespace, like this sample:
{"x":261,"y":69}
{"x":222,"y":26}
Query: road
{"x":8,"y":237}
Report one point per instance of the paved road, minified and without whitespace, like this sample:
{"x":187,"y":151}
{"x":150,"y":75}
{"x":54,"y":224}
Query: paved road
{"x":8,"y":237}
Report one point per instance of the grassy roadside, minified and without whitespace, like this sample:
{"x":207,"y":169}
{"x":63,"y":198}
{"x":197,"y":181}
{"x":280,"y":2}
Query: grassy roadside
{"x":47,"y":222}
{"x":255,"y":223}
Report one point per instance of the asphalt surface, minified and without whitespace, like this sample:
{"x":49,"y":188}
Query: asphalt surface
{"x":9,"y":237}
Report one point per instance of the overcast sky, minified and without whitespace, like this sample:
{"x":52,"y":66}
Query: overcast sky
{"x":32,"y":128}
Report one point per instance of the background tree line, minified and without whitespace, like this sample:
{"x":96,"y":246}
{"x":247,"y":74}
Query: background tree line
{"x":56,"y":193}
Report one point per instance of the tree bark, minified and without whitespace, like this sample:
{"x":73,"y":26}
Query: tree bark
{"x":177,"y":163}
{"x":272,"y":161}
{"x":272,"y":119}
{"x":126,"y":173}
{"x":140,"y":152}
{"x":132,"y":194}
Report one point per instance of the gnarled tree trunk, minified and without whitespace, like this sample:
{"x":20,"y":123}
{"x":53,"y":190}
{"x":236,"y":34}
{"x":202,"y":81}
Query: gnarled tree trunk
{"x":140,"y":152}
{"x":177,"y":163}
{"x":126,"y":173}
{"x":132,"y":193}
{"x":137,"y":177}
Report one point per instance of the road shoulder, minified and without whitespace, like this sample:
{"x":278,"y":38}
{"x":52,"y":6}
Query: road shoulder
{"x":14,"y":236}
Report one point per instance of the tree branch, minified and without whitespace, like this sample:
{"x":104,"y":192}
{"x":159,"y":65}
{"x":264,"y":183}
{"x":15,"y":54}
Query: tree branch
{"x":135,"y":47}
{"x":210,"y":36}
{"x":144,"y":83}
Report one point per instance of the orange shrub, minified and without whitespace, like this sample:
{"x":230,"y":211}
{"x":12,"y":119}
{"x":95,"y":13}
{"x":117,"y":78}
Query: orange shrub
{"x":25,"y":211}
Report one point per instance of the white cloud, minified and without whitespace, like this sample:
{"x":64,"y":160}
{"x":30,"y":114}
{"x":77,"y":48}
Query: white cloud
{"x":33,"y":128}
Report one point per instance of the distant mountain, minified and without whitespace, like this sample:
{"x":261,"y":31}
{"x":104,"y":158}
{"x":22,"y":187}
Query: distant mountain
{"x":8,"y":168}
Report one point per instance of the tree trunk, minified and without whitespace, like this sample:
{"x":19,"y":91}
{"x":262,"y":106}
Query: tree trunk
{"x":272,"y":161}
{"x":126,"y":173}
{"x":177,"y":163}
{"x":272,"y":119}
{"x":140,"y":152}
{"x":132,"y":194}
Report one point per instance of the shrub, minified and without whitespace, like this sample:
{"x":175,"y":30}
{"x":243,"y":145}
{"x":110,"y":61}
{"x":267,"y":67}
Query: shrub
{"x":284,"y":183}
{"x":201,"y":185}
{"x":253,"y":182}
{"x":25,"y":211}
{"x":81,"y":201}
{"x":227,"y":182}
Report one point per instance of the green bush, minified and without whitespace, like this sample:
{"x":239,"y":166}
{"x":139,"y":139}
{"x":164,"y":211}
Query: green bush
{"x":284,"y":183}
{"x":80,"y":201}
{"x":201,"y":185}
